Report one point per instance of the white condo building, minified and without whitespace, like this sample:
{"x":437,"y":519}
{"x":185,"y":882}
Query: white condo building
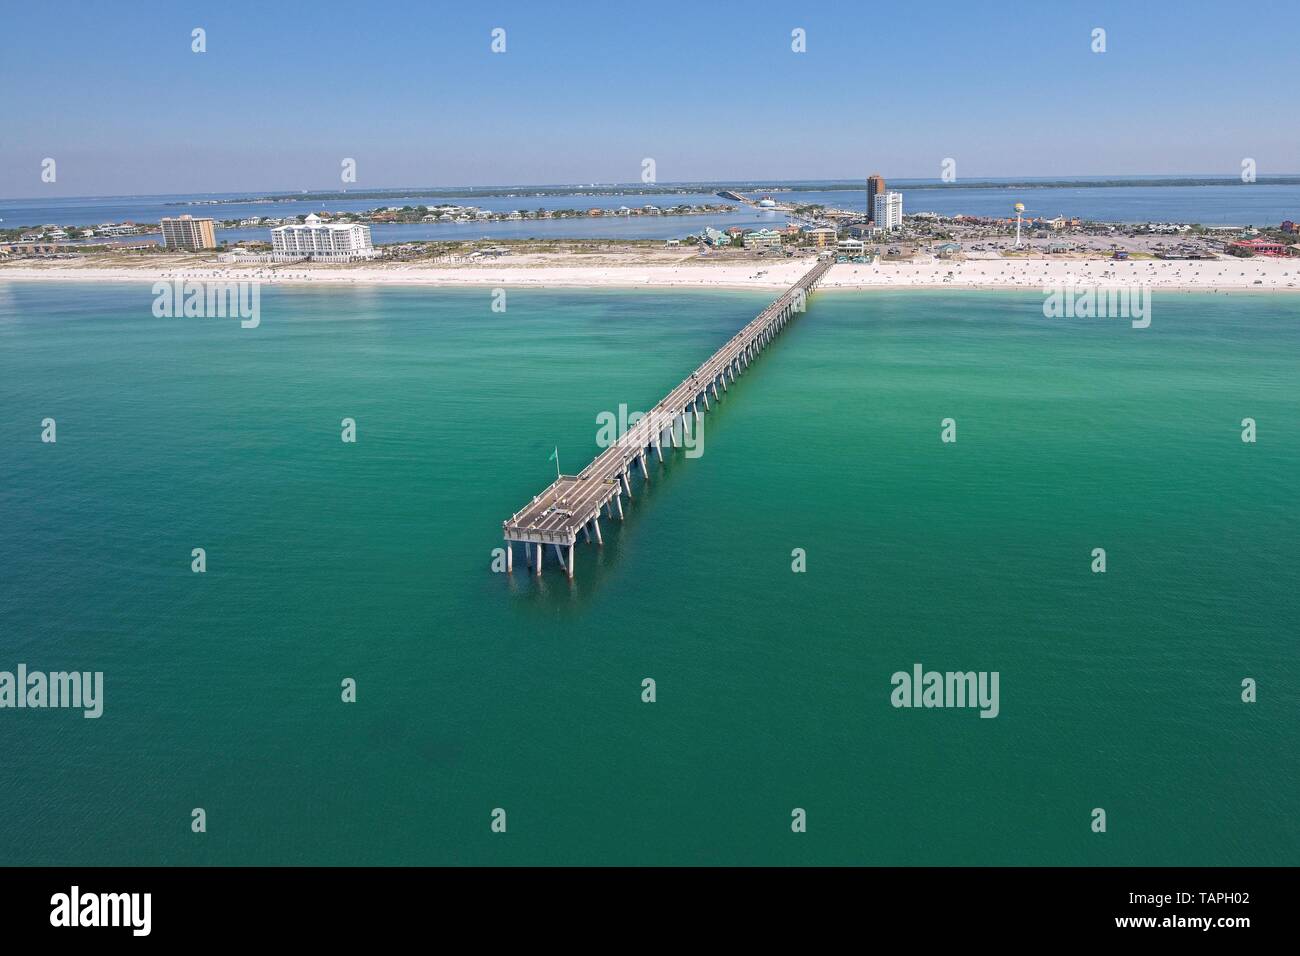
{"x":889,"y":210}
{"x":323,"y":241}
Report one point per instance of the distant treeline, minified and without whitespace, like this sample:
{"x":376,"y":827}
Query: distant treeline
{"x":465,"y":192}
{"x":1088,"y":183}
{"x":1024,"y":184}
{"x":666,"y":189}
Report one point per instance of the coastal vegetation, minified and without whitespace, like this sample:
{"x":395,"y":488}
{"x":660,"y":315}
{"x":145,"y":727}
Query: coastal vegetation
{"x":651,"y":189}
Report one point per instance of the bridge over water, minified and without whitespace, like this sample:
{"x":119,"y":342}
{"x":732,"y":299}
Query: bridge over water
{"x":572,"y":503}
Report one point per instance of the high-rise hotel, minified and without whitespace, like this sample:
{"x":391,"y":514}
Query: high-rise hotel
{"x":188,"y":233}
{"x":875,"y":187}
{"x":322,"y":241}
{"x":888,"y":211}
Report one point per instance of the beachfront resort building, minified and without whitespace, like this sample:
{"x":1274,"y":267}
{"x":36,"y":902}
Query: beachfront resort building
{"x":322,"y":241}
{"x":888,"y":211}
{"x":186,"y":232}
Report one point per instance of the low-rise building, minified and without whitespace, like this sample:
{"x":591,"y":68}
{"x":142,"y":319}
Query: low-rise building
{"x":1260,"y":247}
{"x":763,"y":239}
{"x":34,"y":249}
{"x":822,"y":236}
{"x":117,"y":229}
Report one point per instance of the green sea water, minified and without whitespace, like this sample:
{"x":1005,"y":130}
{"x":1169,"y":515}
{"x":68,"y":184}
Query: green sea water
{"x":475,"y":691}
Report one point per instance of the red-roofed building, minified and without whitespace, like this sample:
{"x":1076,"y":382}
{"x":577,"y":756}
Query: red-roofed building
{"x":1261,"y":247}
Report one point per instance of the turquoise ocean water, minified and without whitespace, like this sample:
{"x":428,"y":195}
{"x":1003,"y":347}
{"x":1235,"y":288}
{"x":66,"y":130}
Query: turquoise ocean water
{"x":372,"y":561}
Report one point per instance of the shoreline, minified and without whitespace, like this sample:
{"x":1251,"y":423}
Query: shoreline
{"x":1182,"y":275}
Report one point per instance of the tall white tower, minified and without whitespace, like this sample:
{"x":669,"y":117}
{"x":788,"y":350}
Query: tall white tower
{"x":1020,"y":211}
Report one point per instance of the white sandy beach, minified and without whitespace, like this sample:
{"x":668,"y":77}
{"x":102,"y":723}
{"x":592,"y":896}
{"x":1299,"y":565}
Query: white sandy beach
{"x":1256,"y":274}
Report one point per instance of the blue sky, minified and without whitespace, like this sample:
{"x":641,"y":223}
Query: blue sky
{"x":585,"y":91}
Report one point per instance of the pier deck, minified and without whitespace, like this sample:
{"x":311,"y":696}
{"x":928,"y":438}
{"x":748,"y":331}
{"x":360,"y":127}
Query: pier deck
{"x":572,"y":503}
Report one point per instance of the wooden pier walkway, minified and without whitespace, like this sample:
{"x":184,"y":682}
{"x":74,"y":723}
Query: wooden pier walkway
{"x":571,"y":504}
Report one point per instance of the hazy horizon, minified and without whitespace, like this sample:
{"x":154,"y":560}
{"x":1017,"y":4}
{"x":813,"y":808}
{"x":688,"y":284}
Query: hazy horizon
{"x":912,"y":181}
{"x":280,"y":96}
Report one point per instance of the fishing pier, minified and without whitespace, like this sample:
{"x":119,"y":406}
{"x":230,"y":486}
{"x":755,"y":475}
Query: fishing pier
{"x":571,"y":505}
